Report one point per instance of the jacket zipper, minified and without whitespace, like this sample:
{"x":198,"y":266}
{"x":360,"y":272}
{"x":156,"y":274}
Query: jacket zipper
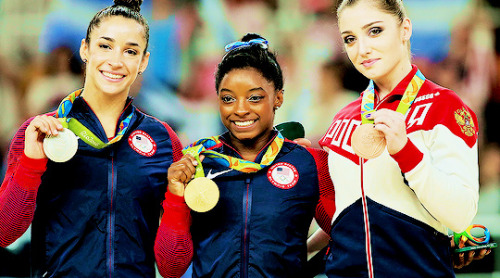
{"x":111,"y":215}
{"x":245,"y":232}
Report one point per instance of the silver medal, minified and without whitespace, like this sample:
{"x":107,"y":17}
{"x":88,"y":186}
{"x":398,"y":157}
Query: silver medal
{"x":62,"y":147}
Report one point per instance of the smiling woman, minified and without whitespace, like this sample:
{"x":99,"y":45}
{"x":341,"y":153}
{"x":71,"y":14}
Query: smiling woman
{"x":270,"y":188}
{"x":100,"y":194}
{"x":403,"y":156}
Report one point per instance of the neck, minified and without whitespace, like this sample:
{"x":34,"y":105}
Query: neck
{"x":107,"y":109}
{"x":249,"y":149}
{"x":387,"y":83}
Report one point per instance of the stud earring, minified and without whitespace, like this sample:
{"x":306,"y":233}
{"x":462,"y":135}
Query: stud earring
{"x":85,"y":61}
{"x":139,"y":73}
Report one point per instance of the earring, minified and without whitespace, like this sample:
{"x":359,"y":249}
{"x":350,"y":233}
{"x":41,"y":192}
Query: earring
{"x":85,"y":61}
{"x":139,"y":73}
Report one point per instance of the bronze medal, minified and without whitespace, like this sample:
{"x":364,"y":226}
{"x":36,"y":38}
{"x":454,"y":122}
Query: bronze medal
{"x":367,"y":142}
{"x":201,"y":194}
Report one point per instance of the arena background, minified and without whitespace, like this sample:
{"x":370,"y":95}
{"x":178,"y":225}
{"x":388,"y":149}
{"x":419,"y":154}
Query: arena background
{"x":455,"y":43}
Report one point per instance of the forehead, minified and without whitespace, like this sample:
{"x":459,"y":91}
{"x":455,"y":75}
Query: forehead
{"x":361,"y":14}
{"x":119,"y":27}
{"x":249,"y":76}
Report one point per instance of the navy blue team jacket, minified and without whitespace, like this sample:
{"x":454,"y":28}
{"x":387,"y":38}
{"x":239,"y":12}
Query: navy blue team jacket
{"x":259,"y":226}
{"x":97,"y":214}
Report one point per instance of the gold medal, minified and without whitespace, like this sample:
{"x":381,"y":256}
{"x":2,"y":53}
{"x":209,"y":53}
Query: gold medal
{"x":62,"y":147}
{"x":367,"y":142}
{"x":201,"y":194}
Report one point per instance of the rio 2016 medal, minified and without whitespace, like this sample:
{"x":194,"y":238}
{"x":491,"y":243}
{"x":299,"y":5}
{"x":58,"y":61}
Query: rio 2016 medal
{"x":62,"y":147}
{"x":367,"y":142}
{"x":201,"y":194}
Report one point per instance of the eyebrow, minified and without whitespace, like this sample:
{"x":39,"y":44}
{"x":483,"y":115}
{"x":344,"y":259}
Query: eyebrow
{"x":113,"y":40}
{"x":251,"y":90}
{"x":364,"y":26}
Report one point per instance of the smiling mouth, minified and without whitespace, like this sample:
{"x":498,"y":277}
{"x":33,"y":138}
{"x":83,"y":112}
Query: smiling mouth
{"x":111,"y":75}
{"x":368,"y":63}
{"x":244,"y":123}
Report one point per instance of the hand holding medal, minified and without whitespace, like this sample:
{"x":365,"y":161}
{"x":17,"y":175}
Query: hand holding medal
{"x":369,"y":142}
{"x":201,"y":194}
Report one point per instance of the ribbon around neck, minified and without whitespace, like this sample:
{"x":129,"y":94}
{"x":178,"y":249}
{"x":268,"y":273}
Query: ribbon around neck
{"x":203,"y":146}
{"x":80,"y":130}
{"x":368,"y":101}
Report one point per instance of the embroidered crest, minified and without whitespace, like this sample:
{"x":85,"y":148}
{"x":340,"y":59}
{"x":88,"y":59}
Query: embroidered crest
{"x":283,"y":175}
{"x":464,"y":120}
{"x":142,"y":143}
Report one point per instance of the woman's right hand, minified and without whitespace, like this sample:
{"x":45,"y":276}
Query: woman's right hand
{"x":36,"y":131}
{"x":180,"y":173}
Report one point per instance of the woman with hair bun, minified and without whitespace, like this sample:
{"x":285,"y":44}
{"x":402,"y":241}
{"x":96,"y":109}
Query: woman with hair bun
{"x":269,"y":186}
{"x":94,"y":200}
{"x":403,"y":156}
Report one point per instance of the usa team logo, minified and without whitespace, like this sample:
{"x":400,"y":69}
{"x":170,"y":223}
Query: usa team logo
{"x":142,"y":143}
{"x":283,"y":175}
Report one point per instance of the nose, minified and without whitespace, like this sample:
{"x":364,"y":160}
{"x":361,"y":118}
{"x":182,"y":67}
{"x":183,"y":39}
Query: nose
{"x":115,"y":59}
{"x":242,"y":107}
{"x":364,"y":47}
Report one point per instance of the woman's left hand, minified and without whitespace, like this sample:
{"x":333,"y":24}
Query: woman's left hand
{"x":465,"y":258}
{"x":393,"y":125}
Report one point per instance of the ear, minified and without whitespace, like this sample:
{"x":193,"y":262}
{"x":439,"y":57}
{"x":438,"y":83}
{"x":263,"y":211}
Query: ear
{"x":278,"y":99}
{"x":84,"y":50}
{"x":406,"y":30}
{"x":144,"y":62}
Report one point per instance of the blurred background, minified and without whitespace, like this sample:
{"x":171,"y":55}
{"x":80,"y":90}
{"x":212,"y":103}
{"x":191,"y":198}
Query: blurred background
{"x":455,"y":43}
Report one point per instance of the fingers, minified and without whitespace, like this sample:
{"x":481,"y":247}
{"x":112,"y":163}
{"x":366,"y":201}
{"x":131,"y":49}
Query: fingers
{"x":392,"y":124}
{"x":36,"y":131}
{"x":468,"y":258}
{"x":45,"y":124}
{"x":480,"y":254}
{"x":458,"y":260}
{"x":303,"y":142}
{"x":180,"y":173}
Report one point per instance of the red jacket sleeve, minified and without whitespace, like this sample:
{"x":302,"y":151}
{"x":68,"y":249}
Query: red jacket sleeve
{"x":326,"y":204}
{"x":19,"y":190}
{"x":173,"y":244}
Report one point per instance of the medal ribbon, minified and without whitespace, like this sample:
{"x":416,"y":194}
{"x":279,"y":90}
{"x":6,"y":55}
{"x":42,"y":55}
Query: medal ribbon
{"x":80,"y":130}
{"x":368,"y":101}
{"x":202,"y":147}
{"x":367,"y":107}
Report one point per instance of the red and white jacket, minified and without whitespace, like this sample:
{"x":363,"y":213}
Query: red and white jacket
{"x":430,"y":185}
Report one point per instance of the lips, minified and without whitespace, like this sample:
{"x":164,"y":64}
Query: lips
{"x":244,"y":123}
{"x":112,"y":76}
{"x":369,"y":62}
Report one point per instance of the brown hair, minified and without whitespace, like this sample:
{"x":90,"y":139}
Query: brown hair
{"x":126,"y":8}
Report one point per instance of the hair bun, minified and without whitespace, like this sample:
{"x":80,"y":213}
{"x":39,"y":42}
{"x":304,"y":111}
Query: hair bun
{"x":131,"y":4}
{"x":251,"y":36}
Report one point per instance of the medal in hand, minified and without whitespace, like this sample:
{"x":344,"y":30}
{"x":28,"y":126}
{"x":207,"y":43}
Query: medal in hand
{"x":367,"y":142}
{"x":62,"y":147}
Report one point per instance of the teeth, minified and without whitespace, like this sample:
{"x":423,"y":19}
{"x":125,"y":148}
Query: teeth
{"x":114,"y":76}
{"x":245,"y":123}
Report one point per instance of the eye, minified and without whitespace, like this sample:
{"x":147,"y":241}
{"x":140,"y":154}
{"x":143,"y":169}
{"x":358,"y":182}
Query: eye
{"x":227,"y":99}
{"x":349,"y":39}
{"x":131,"y":52}
{"x":104,"y":46}
{"x":375,"y":31}
{"x":255,"y":98}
